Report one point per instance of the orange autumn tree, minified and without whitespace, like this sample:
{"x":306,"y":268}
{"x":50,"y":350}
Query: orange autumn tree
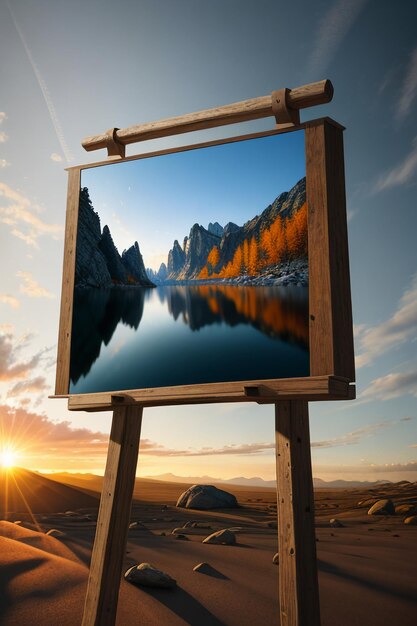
{"x":213,"y":259}
{"x":285,"y":238}
{"x":297,"y":233}
{"x":253,"y":257}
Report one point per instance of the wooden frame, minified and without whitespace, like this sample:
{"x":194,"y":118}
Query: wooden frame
{"x":331,"y":357}
{"x":330,"y":325}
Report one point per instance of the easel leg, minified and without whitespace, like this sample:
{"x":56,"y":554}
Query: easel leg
{"x":113,"y":518}
{"x":298,"y":584}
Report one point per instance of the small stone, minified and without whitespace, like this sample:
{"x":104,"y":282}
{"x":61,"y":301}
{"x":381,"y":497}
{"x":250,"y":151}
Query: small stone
{"x":180,"y":536}
{"x":224,"y":536}
{"x":406,"y":508}
{"x":335,"y":523}
{"x":146,"y":575}
{"x":275,"y":559}
{"x":203,"y":568}
{"x":54,"y":532}
{"x":411,"y":521}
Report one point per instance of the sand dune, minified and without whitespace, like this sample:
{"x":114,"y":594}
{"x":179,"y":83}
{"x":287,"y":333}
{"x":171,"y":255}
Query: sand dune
{"x":367,"y":568}
{"x":23,"y":491}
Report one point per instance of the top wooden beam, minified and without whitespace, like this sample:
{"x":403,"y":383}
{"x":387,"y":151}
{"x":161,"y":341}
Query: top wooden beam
{"x":256,"y":108}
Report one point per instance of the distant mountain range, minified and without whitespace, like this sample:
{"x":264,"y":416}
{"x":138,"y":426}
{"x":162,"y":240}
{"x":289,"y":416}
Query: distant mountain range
{"x":278,"y":234}
{"x":82,"y":480}
{"x":256,"y":481}
{"x":257,"y":250}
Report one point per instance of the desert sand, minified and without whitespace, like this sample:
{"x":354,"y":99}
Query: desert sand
{"x":367,"y":567}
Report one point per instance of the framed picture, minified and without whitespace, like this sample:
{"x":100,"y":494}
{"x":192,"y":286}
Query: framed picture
{"x":209,"y":273}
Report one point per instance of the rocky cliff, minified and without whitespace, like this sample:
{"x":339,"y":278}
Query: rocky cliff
{"x":187,"y":262}
{"x":90,"y":264}
{"x":133,"y":262}
{"x":98,"y":262}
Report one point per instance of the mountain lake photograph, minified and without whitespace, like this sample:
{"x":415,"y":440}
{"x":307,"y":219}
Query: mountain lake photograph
{"x":192,"y":267}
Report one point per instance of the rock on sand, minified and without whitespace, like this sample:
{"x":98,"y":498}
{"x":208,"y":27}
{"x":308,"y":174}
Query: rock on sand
{"x":206,"y":497}
{"x":148,"y":576}
{"x":382,"y":507}
{"x":225,"y":536}
{"x":335,"y":523}
{"x":411,"y":521}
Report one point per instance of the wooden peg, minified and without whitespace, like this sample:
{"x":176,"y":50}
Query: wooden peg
{"x":114,"y":147}
{"x":285,"y":116}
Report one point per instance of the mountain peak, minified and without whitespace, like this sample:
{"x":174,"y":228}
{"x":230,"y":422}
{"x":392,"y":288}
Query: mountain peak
{"x":216,"y":229}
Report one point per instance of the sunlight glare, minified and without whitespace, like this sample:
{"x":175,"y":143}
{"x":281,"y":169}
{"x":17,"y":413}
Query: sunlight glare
{"x":7,"y":458}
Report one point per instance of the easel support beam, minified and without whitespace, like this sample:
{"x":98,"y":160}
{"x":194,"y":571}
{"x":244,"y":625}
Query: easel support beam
{"x":113,"y":518}
{"x":298,"y":583}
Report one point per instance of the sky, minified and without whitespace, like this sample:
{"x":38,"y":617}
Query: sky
{"x":158,"y":199}
{"x":69,"y":70}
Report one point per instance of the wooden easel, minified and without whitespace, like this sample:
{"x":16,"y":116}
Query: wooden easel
{"x":298,"y":585}
{"x":331,"y":358}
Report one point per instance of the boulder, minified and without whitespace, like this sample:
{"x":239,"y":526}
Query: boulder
{"x":226,"y":537}
{"x":146,"y":575}
{"x":382,"y":507}
{"x":206,"y":497}
{"x":411,"y":521}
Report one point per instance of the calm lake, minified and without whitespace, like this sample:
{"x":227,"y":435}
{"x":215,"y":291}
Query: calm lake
{"x":133,"y":338}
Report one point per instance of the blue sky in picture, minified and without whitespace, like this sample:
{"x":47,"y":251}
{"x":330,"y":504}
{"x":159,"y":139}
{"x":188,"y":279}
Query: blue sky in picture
{"x":157,"y":200}
{"x":71,"y":69}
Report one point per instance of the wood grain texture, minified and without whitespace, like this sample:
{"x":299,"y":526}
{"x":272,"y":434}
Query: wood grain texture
{"x":270,"y":391}
{"x":255,"y":108}
{"x":331,"y":330}
{"x":67,"y":292}
{"x":298,"y":584}
{"x":113,"y":518}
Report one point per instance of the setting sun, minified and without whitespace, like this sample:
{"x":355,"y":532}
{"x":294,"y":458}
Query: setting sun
{"x":7,"y":458}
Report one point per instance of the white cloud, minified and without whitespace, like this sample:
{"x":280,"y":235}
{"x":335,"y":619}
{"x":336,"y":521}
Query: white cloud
{"x":401,"y":173}
{"x":10,"y":300}
{"x":351,"y":438}
{"x":3,"y":136}
{"x":32,"y":288}
{"x":11,"y":365}
{"x":333,"y":28}
{"x":409,"y":87}
{"x":31,"y":386}
{"x":18,"y":212}
{"x":391,"y":386}
{"x":394,"y":332}
{"x":3,"y":116}
{"x":56,"y":157}
{"x":4,"y":163}
{"x":368,"y":468}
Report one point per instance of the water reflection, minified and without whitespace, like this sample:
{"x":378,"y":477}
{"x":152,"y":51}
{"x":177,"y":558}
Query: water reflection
{"x":279,"y":313}
{"x":276,"y":311}
{"x":97,"y":313}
